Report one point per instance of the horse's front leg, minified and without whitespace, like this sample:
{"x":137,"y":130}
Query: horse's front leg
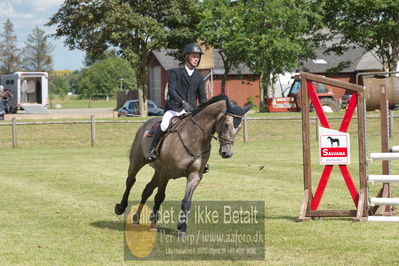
{"x":193,"y":180}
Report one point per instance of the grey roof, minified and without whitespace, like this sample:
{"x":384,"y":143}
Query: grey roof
{"x":353,"y":60}
{"x":219,"y":69}
{"x":168,"y":62}
{"x":369,"y":62}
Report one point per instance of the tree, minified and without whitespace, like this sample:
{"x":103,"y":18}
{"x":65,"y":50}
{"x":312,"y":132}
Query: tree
{"x":74,"y":79}
{"x":9,"y":52}
{"x":60,"y":85}
{"x":102,"y":79}
{"x":221,"y":27}
{"x":134,"y":27}
{"x":37,"y":52}
{"x":370,"y":24}
{"x":277,"y":36}
{"x":92,"y":59}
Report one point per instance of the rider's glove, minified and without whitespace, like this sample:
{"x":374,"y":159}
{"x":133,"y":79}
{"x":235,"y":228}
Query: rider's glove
{"x":187,"y":107}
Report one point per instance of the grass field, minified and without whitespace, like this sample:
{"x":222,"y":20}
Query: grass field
{"x":73,"y":101}
{"x":57,"y":196}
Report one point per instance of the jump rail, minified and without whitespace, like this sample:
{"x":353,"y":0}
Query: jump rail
{"x":383,"y":178}
{"x":384,"y":156}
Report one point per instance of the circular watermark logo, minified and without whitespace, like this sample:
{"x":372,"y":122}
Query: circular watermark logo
{"x":140,"y":238}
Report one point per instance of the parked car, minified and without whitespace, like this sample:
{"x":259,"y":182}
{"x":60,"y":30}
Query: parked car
{"x":131,"y":108}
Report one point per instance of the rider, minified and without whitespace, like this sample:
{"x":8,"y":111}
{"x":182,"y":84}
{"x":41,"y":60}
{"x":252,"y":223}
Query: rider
{"x":185,"y":86}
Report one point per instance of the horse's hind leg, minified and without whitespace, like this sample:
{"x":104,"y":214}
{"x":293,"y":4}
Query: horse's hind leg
{"x":149,"y":188}
{"x":135,"y":165}
{"x":159,"y":198}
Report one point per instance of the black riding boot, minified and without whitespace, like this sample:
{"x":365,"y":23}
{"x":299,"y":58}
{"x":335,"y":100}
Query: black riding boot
{"x":153,"y":153}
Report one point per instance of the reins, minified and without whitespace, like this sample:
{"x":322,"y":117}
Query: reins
{"x":193,"y":155}
{"x":203,"y":130}
{"x":222,"y":139}
{"x":226,"y":139}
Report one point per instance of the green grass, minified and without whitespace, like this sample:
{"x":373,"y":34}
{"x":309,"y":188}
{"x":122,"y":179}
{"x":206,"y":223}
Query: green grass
{"x":58,"y":193}
{"x":73,"y":101}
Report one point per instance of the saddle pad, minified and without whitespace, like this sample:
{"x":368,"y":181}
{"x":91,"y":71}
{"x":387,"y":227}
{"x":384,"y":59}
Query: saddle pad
{"x":173,"y":122}
{"x":154,"y":127}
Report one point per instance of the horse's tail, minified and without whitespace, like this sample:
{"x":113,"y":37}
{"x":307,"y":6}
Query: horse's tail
{"x":135,"y":148}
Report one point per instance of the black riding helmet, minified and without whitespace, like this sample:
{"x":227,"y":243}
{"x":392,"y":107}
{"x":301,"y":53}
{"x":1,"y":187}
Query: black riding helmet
{"x":192,"y":48}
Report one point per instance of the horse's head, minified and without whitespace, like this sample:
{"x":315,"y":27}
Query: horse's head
{"x":227,"y":127}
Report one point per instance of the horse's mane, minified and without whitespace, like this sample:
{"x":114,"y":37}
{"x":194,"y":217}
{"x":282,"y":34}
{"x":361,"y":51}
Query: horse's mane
{"x":214,"y":99}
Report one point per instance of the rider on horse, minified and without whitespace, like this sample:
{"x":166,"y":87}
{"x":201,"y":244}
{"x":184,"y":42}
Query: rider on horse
{"x":185,"y":86}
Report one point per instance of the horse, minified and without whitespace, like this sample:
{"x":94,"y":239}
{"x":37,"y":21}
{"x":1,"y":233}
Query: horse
{"x":184,"y":153}
{"x":332,"y":140}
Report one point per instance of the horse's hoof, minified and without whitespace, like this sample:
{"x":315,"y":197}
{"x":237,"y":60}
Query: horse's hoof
{"x":181,"y":233}
{"x":153,"y":227}
{"x":136,"y":219}
{"x":119,"y":209}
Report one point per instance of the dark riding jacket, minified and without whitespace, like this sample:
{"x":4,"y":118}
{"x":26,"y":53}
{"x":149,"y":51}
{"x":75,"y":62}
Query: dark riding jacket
{"x":182,"y":87}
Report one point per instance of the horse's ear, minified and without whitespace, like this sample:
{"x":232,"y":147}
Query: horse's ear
{"x":246,"y":108}
{"x":228,"y":104}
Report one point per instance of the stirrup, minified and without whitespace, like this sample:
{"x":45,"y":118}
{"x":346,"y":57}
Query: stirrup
{"x":152,"y":155}
{"x":206,"y":169}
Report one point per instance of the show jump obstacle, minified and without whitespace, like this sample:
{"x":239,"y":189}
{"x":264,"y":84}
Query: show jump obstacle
{"x":310,"y":204}
{"x":384,"y":198}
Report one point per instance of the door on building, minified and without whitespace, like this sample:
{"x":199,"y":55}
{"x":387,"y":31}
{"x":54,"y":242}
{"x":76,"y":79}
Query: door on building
{"x":155,"y":85}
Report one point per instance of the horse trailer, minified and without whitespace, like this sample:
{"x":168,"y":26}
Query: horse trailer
{"x":30,"y":90}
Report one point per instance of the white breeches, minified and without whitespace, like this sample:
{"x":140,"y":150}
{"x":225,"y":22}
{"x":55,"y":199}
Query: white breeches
{"x":167,"y":117}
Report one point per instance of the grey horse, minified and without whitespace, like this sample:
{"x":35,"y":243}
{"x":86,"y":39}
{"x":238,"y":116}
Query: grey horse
{"x":185,"y":152}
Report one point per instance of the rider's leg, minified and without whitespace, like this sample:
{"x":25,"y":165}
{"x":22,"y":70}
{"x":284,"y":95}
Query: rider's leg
{"x":160,"y":131}
{"x":153,"y":154}
{"x":167,"y":117}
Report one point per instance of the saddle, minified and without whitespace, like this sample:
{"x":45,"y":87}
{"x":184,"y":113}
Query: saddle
{"x":173,"y":125}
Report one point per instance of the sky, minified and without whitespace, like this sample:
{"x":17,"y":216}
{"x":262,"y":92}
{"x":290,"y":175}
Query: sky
{"x":26,"y":15}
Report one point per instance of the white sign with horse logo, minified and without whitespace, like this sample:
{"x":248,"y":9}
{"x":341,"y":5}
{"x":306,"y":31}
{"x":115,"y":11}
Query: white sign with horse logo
{"x":334,"y":146}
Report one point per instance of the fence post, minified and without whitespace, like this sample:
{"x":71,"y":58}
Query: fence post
{"x":14,"y":132}
{"x":245,"y":128}
{"x":93,"y":131}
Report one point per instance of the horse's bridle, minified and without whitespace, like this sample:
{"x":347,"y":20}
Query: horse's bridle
{"x":220,"y":137}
